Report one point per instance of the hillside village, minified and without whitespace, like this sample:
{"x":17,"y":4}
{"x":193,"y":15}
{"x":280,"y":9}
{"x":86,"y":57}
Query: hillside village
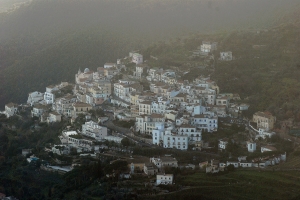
{"x":170,"y":113}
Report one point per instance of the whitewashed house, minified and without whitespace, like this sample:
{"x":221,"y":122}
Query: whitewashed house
{"x":223,"y":144}
{"x":38,"y":110}
{"x":73,"y":139}
{"x":164,"y":179}
{"x":262,"y":133}
{"x":137,"y":58}
{"x":251,"y":146}
{"x":10,"y":109}
{"x":35,"y":97}
{"x":236,"y":164}
{"x":208,"y":47}
{"x":173,"y":140}
{"x":49,"y":95}
{"x":166,"y":161}
{"x":53,"y":117}
{"x":267,"y":148}
{"x":109,"y":65}
{"x":93,"y":130}
{"x":226,"y":56}
{"x":205,"y":122}
{"x":190,"y":131}
{"x":61,"y":149}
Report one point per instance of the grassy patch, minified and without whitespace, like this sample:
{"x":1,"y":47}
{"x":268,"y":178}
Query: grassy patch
{"x":240,"y":185}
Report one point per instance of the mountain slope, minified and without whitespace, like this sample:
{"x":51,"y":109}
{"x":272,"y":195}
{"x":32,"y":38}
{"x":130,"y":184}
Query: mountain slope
{"x":46,"y":41}
{"x":60,"y":62}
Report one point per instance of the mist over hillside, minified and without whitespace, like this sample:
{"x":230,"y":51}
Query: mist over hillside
{"x":46,"y":41}
{"x":151,"y":18}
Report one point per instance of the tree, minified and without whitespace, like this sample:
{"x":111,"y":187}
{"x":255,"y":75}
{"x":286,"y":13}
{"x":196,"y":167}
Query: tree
{"x":125,"y":142}
{"x":230,"y":168}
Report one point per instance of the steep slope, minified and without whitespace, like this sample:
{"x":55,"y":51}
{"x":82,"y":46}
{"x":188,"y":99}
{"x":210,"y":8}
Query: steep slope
{"x":60,"y":62}
{"x":46,"y":35}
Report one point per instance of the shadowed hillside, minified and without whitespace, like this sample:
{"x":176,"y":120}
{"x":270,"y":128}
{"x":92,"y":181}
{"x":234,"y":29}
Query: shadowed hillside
{"x":45,"y":35}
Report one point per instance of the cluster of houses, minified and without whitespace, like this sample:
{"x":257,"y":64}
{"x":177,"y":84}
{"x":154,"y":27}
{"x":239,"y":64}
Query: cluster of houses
{"x":83,"y":141}
{"x":154,"y":166}
{"x":208,"y":47}
{"x":174,"y":112}
{"x":215,"y":166}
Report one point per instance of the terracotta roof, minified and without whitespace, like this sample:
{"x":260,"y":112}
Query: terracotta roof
{"x":155,"y":115}
{"x":81,"y":104}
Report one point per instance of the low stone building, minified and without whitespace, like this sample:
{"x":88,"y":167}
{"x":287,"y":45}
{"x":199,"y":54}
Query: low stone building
{"x":150,"y":169}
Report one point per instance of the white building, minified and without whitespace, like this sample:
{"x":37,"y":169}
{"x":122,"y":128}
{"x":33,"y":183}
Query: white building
{"x":73,"y":139}
{"x":251,"y":146}
{"x":222,"y":101}
{"x":165,"y":179}
{"x":137,"y":58}
{"x":191,"y":132}
{"x":109,"y":65}
{"x":113,"y":139}
{"x":61,"y":149}
{"x":172,"y":140}
{"x":166,"y":161}
{"x":124,"y":88}
{"x":10,"y":109}
{"x":35,"y":97}
{"x":63,"y":105}
{"x":49,"y":97}
{"x":53,"y":117}
{"x":145,"y":108}
{"x":205,"y":122}
{"x":147,"y":123}
{"x":234,"y":163}
{"x":208,"y":47}
{"x":226,"y":56}
{"x":93,"y":130}
{"x":38,"y":110}
{"x":139,"y":69}
{"x":262,"y":133}
{"x":267,"y":148}
{"x":159,"y":106}
{"x":168,"y":139}
{"x":223,"y":144}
